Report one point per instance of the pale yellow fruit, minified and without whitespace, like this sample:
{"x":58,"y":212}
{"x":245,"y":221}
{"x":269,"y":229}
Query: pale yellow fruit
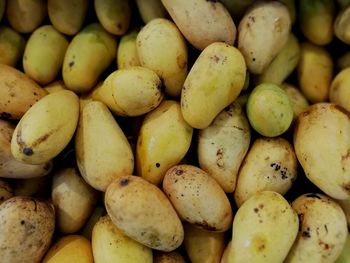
{"x":73,"y":198}
{"x":223,"y":145}
{"x":71,"y":248}
{"x":264,"y":229}
{"x":55,"y":86}
{"x":202,"y":22}
{"x":262,"y":33}
{"x":214,"y":82}
{"x":296,"y":98}
{"x":270,"y":164}
{"x":9,"y":166}
{"x":198,"y":198}
{"x":162,"y":48}
{"x":342,"y":25}
{"x":322,"y":232}
{"x":18,"y":92}
{"x":132,"y":91}
{"x":159,"y":227}
{"x":103,"y":152}
{"x":127,"y":52}
{"x":27,"y":226}
{"x":163,"y":141}
{"x":110,"y":245}
{"x":46,"y":128}
{"x":322,"y":145}
{"x":339,"y":92}
{"x":203,"y":246}
{"x":315,"y":72}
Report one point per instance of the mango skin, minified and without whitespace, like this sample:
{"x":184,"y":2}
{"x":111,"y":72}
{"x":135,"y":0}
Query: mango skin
{"x":127,"y":55}
{"x":163,"y":141}
{"x":132,"y":91}
{"x":98,"y":168}
{"x":203,"y":246}
{"x":28,"y":222}
{"x":223,"y":145}
{"x":18,"y":92}
{"x":270,"y":165}
{"x":316,"y":20}
{"x":114,"y":15}
{"x":269,"y":110}
{"x":189,"y":188}
{"x":25,"y":16}
{"x":159,"y":227}
{"x":202,"y":22}
{"x":46,"y":128}
{"x":214,"y":82}
{"x":345,"y":255}
{"x":314,"y":72}
{"x":340,"y":89}
{"x":44,"y":53}
{"x":162,"y":48}
{"x":264,"y":229}
{"x":322,"y":145}
{"x":262,"y":33}
{"x":87,"y":56}
{"x":110,"y":245}
{"x":71,"y":248}
{"x":67,"y":16}
{"x":323,"y":230}
{"x":11,"y":46}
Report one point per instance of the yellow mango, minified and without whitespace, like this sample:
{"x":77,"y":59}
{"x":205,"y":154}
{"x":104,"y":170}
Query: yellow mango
{"x":71,"y":248}
{"x":214,"y":82}
{"x":103,"y":152}
{"x":110,"y":245}
{"x":150,"y":9}
{"x":67,"y":16}
{"x":11,"y":46}
{"x":46,"y":128}
{"x":127,"y":52}
{"x":44,"y":53}
{"x":162,"y":48}
{"x":163,"y":141}
{"x":89,"y":53}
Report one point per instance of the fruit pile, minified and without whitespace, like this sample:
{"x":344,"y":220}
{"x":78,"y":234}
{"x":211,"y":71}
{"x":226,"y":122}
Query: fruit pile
{"x":174,"y":131}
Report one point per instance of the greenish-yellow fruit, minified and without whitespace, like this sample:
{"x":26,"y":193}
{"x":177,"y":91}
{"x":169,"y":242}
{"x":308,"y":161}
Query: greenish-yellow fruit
{"x":163,"y":141}
{"x":88,"y":55}
{"x":264,"y":230}
{"x":269,"y":110}
{"x":127,"y":52}
{"x":214,"y":82}
{"x":150,"y":9}
{"x":44,"y":53}
{"x":114,"y":15}
{"x":11,"y":46}
{"x":345,"y":254}
{"x":103,"y":152}
{"x":130,"y":92}
{"x":67,"y":16}
{"x":162,"y":48}
{"x":25,"y":16}
{"x":203,"y":246}
{"x":111,"y":245}
{"x":46,"y":128}
{"x":316,"y":20}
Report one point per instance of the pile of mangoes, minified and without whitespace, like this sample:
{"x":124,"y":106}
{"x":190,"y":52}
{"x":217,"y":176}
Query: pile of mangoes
{"x":174,"y":131}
